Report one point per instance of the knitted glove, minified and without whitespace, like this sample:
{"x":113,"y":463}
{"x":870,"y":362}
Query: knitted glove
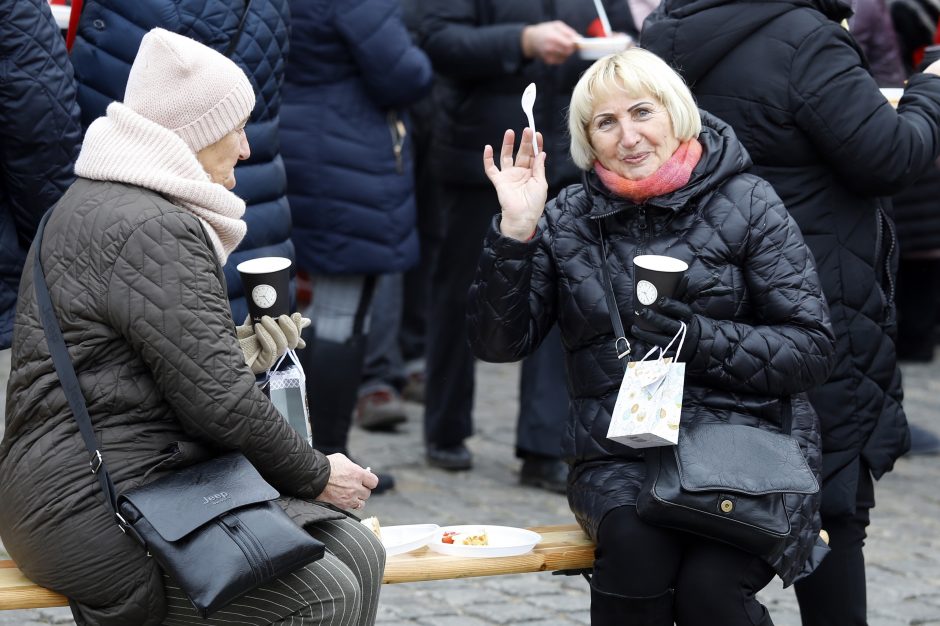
{"x":667,"y":323}
{"x":264,"y":343}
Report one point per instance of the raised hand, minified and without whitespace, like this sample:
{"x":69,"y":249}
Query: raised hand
{"x":520,"y":184}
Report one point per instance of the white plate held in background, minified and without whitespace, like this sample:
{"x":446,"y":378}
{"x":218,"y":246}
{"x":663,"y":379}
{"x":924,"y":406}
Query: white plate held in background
{"x":501,"y":541}
{"x":401,"y":539}
{"x":592,"y":48}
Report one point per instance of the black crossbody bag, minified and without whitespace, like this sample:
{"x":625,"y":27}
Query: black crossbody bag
{"x":732,"y":483}
{"x":214,"y":526}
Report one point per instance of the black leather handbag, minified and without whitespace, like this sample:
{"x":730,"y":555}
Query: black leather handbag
{"x":733,"y":483}
{"x":213,"y":526}
{"x":729,"y":482}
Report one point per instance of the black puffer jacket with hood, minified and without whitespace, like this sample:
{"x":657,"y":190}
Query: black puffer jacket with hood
{"x":793,"y":84}
{"x":765,"y":335}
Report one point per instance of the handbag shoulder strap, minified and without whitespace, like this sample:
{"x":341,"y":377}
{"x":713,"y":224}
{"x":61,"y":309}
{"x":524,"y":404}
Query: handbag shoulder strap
{"x":786,"y":404}
{"x":66,"y":373}
{"x":621,"y":334}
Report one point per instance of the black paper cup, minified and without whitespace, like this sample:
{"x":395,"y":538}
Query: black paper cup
{"x":267,"y":286}
{"x":654,"y":276}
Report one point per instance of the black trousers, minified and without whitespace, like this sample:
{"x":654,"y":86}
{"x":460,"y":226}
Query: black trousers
{"x":650,"y":576}
{"x":543,"y":400}
{"x":448,"y":401}
{"x":468,"y":212}
{"x":834,"y":594}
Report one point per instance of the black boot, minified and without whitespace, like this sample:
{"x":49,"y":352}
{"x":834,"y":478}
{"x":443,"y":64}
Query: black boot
{"x":609,"y":609}
{"x":333,"y":371}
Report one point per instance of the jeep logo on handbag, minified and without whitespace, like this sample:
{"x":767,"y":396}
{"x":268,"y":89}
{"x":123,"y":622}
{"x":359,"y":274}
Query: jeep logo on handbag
{"x":215,"y":499}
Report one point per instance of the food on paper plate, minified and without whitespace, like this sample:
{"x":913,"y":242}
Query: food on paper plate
{"x":453,"y":537}
{"x":477,"y":540}
{"x":373,"y":524}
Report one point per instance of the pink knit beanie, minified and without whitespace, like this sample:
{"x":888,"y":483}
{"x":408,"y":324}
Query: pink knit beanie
{"x":188,"y":88}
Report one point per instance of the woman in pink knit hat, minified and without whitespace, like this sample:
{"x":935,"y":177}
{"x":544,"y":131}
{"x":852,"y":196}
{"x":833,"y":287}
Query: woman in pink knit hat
{"x":133,"y":257}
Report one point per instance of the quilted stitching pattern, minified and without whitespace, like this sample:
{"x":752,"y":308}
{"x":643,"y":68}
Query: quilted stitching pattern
{"x":352,"y":203}
{"x":765,"y":330}
{"x":109,"y":35}
{"x":140,"y":299}
{"x":813,"y":130}
{"x":38,"y":94}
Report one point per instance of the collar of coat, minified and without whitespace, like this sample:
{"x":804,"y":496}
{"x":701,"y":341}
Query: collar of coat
{"x":723,"y":156}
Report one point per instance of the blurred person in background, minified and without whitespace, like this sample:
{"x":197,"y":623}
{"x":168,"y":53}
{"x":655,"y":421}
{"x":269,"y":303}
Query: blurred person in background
{"x":40,"y":136}
{"x":353,"y":72}
{"x":394,"y":369}
{"x":486,"y":53}
{"x":254,"y":34}
{"x":812,"y":119}
{"x":873,"y":29}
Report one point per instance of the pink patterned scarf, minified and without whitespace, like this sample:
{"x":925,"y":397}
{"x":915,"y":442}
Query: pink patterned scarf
{"x":671,"y":175}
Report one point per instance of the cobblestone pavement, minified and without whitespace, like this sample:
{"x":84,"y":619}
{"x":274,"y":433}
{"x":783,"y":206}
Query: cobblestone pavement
{"x":903,"y":550}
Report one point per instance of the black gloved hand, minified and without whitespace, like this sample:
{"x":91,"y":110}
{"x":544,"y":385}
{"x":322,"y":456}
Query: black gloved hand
{"x":667,"y":321}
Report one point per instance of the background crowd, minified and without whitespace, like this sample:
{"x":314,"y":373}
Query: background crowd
{"x":365,"y":170}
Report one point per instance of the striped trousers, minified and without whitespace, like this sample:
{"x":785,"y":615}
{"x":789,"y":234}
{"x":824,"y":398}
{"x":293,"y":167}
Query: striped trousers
{"x":340,"y":589}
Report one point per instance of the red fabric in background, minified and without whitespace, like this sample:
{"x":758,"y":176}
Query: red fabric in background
{"x":595,"y":28}
{"x":73,"y":23}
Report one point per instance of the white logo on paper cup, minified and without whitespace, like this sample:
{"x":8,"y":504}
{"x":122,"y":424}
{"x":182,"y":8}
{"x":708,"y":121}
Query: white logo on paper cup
{"x":264,"y":296}
{"x":646,"y":292}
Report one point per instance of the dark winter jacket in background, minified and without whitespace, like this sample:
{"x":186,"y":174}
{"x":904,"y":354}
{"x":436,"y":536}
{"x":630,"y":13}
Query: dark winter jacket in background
{"x":873,"y":29}
{"x":765,"y":334}
{"x":353,"y":71}
{"x":475,"y":46}
{"x":140,"y":297}
{"x":792,"y":83}
{"x":108,"y":37}
{"x":39,"y":136}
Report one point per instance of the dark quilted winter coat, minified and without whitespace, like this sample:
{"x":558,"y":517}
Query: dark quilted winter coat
{"x":765,"y":335}
{"x":791,"y":82}
{"x":353,"y":71}
{"x":141,"y":300}
{"x":108,"y":37}
{"x":39,"y":136}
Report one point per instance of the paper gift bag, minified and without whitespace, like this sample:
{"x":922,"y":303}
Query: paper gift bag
{"x":288,"y":392}
{"x":649,"y":403}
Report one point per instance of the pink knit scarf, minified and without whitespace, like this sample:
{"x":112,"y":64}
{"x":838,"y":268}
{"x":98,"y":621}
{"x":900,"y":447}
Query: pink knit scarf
{"x":671,"y":175}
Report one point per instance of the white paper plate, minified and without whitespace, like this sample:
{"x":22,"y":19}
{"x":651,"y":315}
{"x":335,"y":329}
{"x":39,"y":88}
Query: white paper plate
{"x":401,"y":539}
{"x":592,"y":48}
{"x":503,"y":541}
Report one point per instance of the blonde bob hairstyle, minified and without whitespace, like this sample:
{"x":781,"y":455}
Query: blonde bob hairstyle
{"x":634,"y":72}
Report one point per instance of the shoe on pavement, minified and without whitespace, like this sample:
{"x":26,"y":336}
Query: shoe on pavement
{"x":381,"y":409}
{"x":414,"y":387}
{"x":454,"y":458}
{"x":923,"y":441}
{"x":545,"y":473}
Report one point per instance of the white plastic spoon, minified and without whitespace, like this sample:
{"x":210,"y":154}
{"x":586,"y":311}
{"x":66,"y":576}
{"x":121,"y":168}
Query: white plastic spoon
{"x":528,"y":101}
{"x":602,"y":14}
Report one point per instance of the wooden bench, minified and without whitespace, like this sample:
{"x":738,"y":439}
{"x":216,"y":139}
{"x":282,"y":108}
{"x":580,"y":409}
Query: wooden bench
{"x":562,"y":548}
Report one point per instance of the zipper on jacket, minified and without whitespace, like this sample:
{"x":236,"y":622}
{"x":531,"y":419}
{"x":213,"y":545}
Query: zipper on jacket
{"x":397,"y":128}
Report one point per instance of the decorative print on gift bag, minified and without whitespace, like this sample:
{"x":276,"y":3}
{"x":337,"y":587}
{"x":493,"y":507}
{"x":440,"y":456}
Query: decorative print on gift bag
{"x":649,"y":403}
{"x":288,"y":392}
